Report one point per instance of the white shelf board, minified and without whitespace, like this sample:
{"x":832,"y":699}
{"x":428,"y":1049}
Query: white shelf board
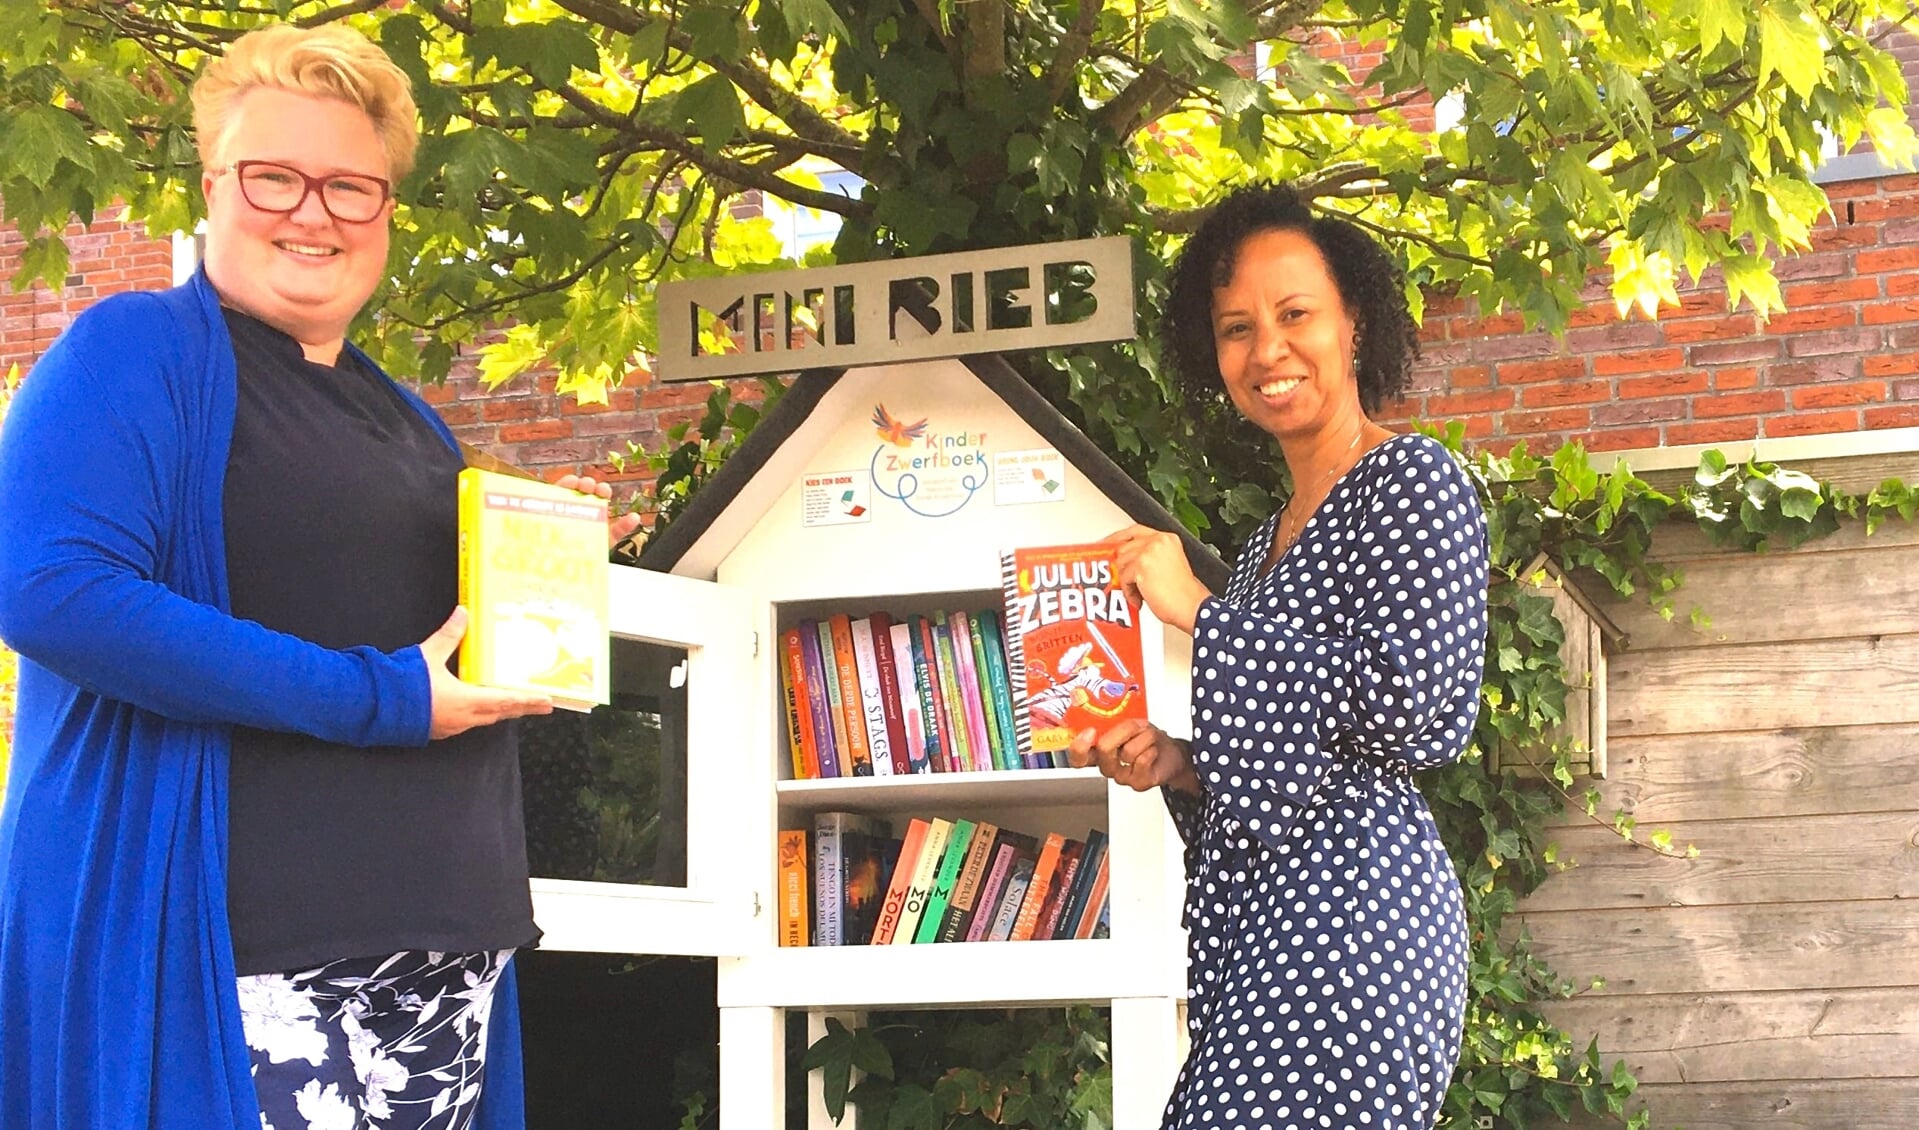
{"x":1000,"y":788}
{"x":953,"y":975}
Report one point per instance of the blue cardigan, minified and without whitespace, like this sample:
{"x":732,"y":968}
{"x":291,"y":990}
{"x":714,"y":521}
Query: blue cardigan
{"x":118,"y":1007}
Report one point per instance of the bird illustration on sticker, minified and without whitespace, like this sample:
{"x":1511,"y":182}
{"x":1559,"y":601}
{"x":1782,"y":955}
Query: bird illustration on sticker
{"x":896,"y":432}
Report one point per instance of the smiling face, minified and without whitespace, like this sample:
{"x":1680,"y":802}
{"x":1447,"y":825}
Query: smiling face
{"x":301,"y":272}
{"x":1284,"y":339}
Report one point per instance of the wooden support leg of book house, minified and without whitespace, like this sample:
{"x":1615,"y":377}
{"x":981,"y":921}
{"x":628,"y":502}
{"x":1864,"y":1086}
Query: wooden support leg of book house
{"x":816,"y":1116}
{"x":1146,"y":1056}
{"x":755,"y":1099}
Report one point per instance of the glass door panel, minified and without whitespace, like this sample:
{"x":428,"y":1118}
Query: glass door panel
{"x":640,"y":830}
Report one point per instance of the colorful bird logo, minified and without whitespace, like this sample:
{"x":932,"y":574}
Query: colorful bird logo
{"x":893,"y":431}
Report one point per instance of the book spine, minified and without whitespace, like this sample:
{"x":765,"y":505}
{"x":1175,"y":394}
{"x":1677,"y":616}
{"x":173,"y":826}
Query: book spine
{"x":872,"y":710}
{"x":924,"y":871}
{"x":799,"y":712}
{"x":968,"y":684}
{"x":993,"y":644}
{"x":1002,"y":752}
{"x":892,"y":704}
{"x":829,"y":696}
{"x":1007,"y":916}
{"x":987,"y":904}
{"x":793,"y":909}
{"x":835,"y":705}
{"x":972,"y":875}
{"x":902,"y":879}
{"x":938,"y":752}
{"x":955,"y":714}
{"x":865,"y":844}
{"x":1094,"y":912}
{"x":472,"y":507}
{"x":1044,"y":869}
{"x":1016,"y":658}
{"x":944,"y":880}
{"x":828,"y":866}
{"x":1076,"y":898}
{"x":1061,"y":888}
{"x":847,"y":676}
{"x":906,"y":685}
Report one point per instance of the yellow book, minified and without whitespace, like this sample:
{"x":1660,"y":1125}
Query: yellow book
{"x":533,"y":580}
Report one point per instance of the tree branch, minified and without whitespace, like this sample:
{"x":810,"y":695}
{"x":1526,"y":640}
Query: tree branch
{"x":1073,"y":49}
{"x":1155,"y":89}
{"x":805,"y":121}
{"x":930,"y":12}
{"x":983,"y":40}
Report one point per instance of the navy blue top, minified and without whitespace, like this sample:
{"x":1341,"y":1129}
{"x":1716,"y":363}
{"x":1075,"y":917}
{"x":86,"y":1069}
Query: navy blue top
{"x":342,"y":528}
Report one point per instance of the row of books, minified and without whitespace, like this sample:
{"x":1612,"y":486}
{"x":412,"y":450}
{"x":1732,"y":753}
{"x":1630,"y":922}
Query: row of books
{"x":879,"y":696}
{"x":848,"y":881}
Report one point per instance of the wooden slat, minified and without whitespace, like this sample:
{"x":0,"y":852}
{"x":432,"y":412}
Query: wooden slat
{"x":1832,"y":945}
{"x":1793,"y":772}
{"x":1696,"y":1038}
{"x":1876,"y":1104}
{"x":1779,"y":597}
{"x":1764,"y":860}
{"x":1855,"y":474}
{"x":1681,"y":539}
{"x":1764,"y":686}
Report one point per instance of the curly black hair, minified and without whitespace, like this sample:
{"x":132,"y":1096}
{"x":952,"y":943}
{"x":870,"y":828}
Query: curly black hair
{"x":1370,"y":286}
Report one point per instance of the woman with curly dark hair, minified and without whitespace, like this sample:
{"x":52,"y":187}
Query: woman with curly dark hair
{"x":1327,"y":935}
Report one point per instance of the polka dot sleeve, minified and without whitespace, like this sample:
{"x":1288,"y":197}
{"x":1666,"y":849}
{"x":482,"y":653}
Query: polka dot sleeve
{"x":1367,"y":642}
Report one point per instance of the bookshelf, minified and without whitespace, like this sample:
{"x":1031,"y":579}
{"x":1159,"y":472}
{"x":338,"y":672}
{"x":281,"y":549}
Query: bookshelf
{"x":783,"y":548}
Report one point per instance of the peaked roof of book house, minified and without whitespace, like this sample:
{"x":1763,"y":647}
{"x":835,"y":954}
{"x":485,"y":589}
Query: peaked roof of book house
{"x":713,"y":523}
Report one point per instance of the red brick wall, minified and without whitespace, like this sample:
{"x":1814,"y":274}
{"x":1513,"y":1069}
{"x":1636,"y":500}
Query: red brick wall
{"x":106,"y":258}
{"x":528,"y":424}
{"x":1844,"y":356}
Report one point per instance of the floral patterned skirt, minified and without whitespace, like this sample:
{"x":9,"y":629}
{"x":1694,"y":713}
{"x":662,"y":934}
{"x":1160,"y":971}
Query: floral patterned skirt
{"x":371,"y":1043}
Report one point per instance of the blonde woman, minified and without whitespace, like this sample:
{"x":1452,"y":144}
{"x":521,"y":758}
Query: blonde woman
{"x":262,"y":860}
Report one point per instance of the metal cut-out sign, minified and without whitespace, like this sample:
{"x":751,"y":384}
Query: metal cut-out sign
{"x":1037,"y":296}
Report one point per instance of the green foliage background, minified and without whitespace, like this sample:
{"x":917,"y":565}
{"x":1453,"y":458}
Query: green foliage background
{"x":577,"y":152}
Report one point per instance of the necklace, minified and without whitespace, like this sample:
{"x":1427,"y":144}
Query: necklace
{"x":1282,"y":541}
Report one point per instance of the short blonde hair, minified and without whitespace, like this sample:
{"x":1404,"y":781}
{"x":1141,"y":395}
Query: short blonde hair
{"x":330,"y":61}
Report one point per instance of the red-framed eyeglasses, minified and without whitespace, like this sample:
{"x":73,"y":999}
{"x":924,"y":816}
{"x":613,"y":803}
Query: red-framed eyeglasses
{"x":351,"y":198}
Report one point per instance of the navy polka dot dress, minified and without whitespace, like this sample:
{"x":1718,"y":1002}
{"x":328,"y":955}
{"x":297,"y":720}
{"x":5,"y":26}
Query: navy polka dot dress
{"x":1327,"y":934}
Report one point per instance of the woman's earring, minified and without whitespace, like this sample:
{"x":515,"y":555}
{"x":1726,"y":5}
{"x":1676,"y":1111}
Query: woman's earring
{"x":1359,"y":343}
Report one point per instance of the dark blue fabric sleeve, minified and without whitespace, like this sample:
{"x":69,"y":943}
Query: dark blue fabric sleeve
{"x":95,"y":482}
{"x":1275,"y":707}
{"x":1188,"y":811}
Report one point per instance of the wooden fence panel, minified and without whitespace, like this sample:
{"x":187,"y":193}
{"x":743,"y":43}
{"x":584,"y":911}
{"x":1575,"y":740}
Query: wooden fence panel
{"x":1787,"y":772}
{"x":1875,"y":1104}
{"x":1766,"y":860}
{"x":1718,"y":1038}
{"x":1764,"y":687}
{"x":1734,"y":949}
{"x":1798,"y":596}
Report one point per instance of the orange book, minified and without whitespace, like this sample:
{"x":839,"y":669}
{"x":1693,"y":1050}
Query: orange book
{"x":902,"y":880}
{"x":1043,"y":873}
{"x":847,"y":673}
{"x":799,"y":717}
{"x":793,"y":865}
{"x":1074,"y":654}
